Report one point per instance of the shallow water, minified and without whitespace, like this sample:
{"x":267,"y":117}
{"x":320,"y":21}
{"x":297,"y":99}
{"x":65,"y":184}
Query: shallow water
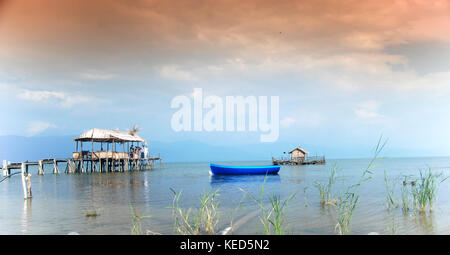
{"x":60,"y":202}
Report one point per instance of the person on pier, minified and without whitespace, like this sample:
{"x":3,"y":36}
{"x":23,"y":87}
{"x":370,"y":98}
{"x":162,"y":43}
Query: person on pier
{"x":145,"y":151}
{"x":131,"y":151}
{"x":141,"y":151}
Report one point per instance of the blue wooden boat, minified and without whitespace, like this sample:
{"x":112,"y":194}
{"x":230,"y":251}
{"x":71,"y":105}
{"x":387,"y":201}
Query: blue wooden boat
{"x":236,"y":170}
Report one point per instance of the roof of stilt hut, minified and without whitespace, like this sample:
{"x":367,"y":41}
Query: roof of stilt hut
{"x":299,"y":149}
{"x":108,"y":136}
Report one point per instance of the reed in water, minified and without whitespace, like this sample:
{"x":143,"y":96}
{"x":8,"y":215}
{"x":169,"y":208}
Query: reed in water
{"x":137,"y":221}
{"x":325,"y":190}
{"x":272,"y":219}
{"x":406,"y":195}
{"x":417,"y":194}
{"x":349,"y":198}
{"x":390,"y":187}
{"x":424,"y":191}
{"x":206,"y":219}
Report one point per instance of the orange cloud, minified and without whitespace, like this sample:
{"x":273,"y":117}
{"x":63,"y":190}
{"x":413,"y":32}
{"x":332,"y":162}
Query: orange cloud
{"x":110,"y":25}
{"x":126,"y":36}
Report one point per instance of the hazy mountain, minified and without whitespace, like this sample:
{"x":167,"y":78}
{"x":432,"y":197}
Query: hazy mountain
{"x":21,"y":148}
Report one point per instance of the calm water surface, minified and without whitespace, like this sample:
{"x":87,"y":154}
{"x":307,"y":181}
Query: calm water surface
{"x":60,"y":202}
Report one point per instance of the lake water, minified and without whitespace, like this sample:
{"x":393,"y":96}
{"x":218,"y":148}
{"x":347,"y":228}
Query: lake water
{"x":60,"y":202}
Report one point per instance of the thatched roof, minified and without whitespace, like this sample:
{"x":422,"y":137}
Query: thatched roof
{"x":299,"y":149}
{"x":108,"y":136}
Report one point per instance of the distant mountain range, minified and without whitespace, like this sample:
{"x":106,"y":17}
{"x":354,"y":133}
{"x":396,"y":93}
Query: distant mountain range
{"x":21,"y":148}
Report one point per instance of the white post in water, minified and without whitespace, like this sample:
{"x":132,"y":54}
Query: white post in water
{"x":5,"y":168}
{"x":25,"y":194}
{"x":41,"y":168}
{"x":55,"y":167}
{"x":29,"y":195}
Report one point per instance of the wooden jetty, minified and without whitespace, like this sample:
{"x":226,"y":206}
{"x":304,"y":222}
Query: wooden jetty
{"x":118,"y":156}
{"x":85,"y":165}
{"x":299,"y":156}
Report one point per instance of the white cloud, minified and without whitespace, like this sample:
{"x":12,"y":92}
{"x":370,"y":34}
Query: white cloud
{"x":60,"y":98}
{"x":368,"y":110}
{"x":97,"y":75}
{"x":173,"y":72}
{"x":36,"y":127}
{"x":39,"y":96}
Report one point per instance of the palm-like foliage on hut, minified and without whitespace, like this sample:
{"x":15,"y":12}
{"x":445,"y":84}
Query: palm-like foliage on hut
{"x":134,"y":130}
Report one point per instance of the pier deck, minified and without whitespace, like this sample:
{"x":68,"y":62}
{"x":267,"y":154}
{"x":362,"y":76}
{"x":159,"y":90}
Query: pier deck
{"x":299,"y":161}
{"x":85,"y":165}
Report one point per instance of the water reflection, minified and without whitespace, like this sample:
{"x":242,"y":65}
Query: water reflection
{"x":26,"y":216}
{"x":328,"y":215}
{"x":70,"y":197}
{"x":218,"y":180}
{"x":426,"y":222}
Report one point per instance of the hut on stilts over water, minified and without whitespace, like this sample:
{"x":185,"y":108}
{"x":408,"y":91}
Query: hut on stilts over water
{"x":299,"y":156}
{"x":102,"y":150}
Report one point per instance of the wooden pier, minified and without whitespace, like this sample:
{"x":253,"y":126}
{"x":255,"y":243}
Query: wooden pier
{"x":118,"y":156}
{"x":84,"y":165}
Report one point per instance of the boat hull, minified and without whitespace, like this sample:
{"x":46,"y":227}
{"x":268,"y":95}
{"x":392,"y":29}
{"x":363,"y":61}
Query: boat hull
{"x":242,"y":170}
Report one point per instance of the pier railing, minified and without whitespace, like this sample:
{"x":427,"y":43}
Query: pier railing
{"x":93,"y":162}
{"x":298,"y":160}
{"x":315,"y":158}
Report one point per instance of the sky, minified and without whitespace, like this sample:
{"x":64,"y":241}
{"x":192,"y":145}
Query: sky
{"x":345,"y":72}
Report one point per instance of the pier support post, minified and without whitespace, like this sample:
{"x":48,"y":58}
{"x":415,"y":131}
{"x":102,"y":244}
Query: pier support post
{"x":74,"y":166}
{"x":82,"y":166}
{"x":70,"y":167}
{"x":55,"y":167}
{"x":5,"y":168}
{"x":41,"y":168}
{"x":26,"y":186}
{"x":28,"y":179}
